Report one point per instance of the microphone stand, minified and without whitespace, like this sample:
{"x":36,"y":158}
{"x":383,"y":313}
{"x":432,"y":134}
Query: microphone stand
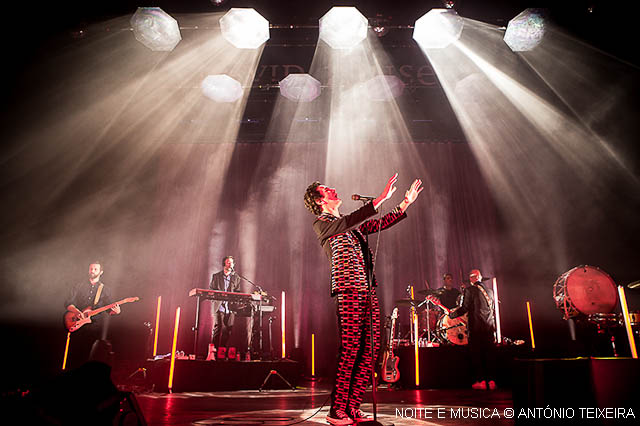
{"x":370,"y":271}
{"x":261,"y":291}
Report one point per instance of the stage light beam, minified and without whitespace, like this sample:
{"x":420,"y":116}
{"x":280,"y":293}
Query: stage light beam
{"x":383,"y":88}
{"x":438,"y":28}
{"x":343,"y":27}
{"x":244,"y":28}
{"x":155,"y":29}
{"x":300,"y":87}
{"x":221,"y":88}
{"x":525,"y":31}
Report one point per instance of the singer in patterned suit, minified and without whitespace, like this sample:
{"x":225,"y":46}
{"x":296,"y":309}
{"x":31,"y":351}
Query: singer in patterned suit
{"x":342,"y":238}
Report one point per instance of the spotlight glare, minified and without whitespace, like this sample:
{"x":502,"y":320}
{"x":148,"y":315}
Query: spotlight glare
{"x":244,"y":28}
{"x":526,"y":30}
{"x":300,"y":87}
{"x":384,"y":88}
{"x":438,"y":28}
{"x":156,"y":29}
{"x":343,"y":27}
{"x":221,"y":88}
{"x":380,"y":25}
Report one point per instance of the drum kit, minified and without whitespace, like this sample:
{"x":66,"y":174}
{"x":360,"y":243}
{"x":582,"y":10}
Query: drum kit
{"x":435,"y":326}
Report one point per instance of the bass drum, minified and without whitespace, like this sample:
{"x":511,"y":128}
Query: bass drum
{"x":585,"y":290}
{"x":430,"y":320}
{"x":453,"y":330}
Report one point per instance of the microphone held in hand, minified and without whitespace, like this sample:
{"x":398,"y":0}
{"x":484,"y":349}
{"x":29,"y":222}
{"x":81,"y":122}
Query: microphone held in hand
{"x":356,"y":197}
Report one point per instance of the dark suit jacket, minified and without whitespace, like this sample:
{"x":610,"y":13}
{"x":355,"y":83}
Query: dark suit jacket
{"x":217,"y":283}
{"x":481,"y":320}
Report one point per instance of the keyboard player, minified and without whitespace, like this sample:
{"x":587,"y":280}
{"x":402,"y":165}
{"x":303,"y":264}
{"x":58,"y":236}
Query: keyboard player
{"x":223,"y":315}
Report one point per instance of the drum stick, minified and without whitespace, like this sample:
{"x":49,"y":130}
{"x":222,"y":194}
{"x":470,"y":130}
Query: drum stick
{"x":627,"y":322}
{"x":533,"y":340}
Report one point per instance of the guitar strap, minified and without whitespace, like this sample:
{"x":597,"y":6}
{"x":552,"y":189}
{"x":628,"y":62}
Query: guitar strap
{"x":98,"y":293}
{"x":486,"y":296}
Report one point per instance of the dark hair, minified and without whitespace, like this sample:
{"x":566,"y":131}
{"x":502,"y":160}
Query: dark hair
{"x":224,"y":259}
{"x":312,"y":195}
{"x":97,"y":262}
{"x":444,"y":277}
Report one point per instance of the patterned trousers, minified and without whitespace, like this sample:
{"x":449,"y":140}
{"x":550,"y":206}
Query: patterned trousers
{"x":354,"y":355}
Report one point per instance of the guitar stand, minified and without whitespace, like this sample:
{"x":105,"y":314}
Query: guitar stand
{"x":272,"y":373}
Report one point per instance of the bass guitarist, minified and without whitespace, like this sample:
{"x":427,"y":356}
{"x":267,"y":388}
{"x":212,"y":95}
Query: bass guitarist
{"x":90,"y":294}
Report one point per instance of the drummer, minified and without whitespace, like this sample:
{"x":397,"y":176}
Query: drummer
{"x":448,"y":294}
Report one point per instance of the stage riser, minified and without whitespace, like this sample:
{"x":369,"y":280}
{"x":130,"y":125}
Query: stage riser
{"x":586,"y":383}
{"x":211,"y":376}
{"x":449,"y":367}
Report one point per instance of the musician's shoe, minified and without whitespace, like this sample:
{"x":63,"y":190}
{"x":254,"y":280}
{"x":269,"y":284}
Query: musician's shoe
{"x":492,"y":385}
{"x":359,"y":416}
{"x":339,"y":418}
{"x":480,"y":385}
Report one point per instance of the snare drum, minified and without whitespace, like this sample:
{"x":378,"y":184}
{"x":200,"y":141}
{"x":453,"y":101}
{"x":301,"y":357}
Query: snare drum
{"x":604,"y":320}
{"x":634,"y":318}
{"x":585,"y":290}
{"x":453,"y":330}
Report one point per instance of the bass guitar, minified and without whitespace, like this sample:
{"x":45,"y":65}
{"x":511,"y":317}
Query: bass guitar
{"x":390,"y":372}
{"x":73,"y":321}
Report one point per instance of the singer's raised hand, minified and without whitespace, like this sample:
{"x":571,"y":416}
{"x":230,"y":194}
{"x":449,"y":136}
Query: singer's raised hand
{"x":412,"y":193}
{"x":388,"y":191}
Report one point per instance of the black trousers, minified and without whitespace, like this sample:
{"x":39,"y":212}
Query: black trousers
{"x":482,"y":350}
{"x":222,"y":327}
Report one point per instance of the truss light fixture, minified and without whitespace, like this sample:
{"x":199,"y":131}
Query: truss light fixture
{"x":156,"y":29}
{"x":221,"y":88}
{"x":438,"y":28}
{"x":526,"y":30}
{"x":343,"y":27}
{"x":300,"y":87}
{"x":384,"y":88}
{"x":244,"y":28}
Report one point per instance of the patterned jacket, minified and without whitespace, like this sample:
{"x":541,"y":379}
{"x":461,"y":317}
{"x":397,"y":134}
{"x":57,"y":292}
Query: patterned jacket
{"x":344,"y":243}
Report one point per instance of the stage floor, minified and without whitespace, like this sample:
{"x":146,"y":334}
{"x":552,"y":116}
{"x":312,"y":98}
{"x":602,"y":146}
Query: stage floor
{"x":308,"y":405}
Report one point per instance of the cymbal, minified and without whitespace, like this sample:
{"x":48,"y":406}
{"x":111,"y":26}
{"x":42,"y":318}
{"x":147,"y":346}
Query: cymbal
{"x":635,"y":284}
{"x":407,"y":302}
{"x":429,"y":292}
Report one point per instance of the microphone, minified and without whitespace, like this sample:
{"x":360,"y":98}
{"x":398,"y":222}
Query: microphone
{"x":486,"y":278}
{"x":356,"y":197}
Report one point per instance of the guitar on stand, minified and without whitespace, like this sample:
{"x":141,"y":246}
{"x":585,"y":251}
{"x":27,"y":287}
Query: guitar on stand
{"x":390,"y":372}
{"x":73,"y":321}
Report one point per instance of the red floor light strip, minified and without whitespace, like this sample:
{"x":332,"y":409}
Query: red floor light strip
{"x":284,"y":347}
{"x":533,"y":340}
{"x":66,"y":351}
{"x":496,"y":302}
{"x":173,"y":349}
{"x":155,"y":339}
{"x":627,"y":321}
